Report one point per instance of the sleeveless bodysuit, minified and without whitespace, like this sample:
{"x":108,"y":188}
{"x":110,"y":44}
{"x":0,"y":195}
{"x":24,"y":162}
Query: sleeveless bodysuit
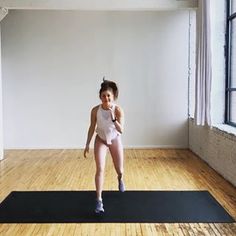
{"x":106,"y":129}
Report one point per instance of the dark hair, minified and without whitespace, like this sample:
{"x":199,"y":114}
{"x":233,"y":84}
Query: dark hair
{"x":109,"y":85}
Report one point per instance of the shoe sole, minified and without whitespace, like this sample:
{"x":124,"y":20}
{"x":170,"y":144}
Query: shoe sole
{"x":99,"y":212}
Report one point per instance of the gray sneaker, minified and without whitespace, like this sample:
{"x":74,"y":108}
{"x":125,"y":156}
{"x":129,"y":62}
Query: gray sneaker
{"x":99,"y":206}
{"x":121,"y":185}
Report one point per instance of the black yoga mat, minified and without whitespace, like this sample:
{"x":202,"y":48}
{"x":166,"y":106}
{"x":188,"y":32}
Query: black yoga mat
{"x":130,"y":206}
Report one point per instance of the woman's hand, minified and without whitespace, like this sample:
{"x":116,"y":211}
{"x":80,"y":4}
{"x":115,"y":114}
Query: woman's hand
{"x":113,"y":116}
{"x":86,"y":150}
{"x":117,"y":117}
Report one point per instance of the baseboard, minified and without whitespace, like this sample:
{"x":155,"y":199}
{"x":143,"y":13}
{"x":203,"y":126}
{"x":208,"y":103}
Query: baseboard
{"x":125,"y":147}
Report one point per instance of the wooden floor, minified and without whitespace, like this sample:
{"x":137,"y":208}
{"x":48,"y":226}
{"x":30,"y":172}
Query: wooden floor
{"x":152,"y":169}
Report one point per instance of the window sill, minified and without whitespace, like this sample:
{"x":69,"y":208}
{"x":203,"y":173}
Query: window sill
{"x":226,"y":128}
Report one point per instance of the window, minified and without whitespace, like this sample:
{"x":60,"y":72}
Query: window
{"x":230,"y":117}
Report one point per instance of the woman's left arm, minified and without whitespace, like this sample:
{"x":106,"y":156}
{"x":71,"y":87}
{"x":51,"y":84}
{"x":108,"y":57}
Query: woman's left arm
{"x":119,"y":119}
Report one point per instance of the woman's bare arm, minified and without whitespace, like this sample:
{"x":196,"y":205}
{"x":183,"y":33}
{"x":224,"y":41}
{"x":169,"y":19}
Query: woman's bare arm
{"x":119,"y":115}
{"x":93,"y":121}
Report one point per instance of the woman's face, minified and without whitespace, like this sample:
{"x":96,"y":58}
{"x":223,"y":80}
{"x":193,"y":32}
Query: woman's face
{"x":107,"y":97}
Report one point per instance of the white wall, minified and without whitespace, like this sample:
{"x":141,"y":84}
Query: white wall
{"x":101,"y":4}
{"x":53,"y":63}
{"x":1,"y":109}
{"x":192,"y":62}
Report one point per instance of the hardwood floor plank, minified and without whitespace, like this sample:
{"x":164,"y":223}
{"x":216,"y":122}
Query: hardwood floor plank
{"x":145,"y":169}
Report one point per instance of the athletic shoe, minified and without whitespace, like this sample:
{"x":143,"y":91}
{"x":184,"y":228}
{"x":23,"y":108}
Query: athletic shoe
{"x":99,"y":206}
{"x":121,"y":185}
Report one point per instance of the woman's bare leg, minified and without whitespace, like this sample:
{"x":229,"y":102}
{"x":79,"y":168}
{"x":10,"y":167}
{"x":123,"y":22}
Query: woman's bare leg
{"x":100,"y":150}
{"x":117,"y":153}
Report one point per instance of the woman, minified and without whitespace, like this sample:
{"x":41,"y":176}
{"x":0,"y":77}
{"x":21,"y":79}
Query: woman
{"x":109,"y":120}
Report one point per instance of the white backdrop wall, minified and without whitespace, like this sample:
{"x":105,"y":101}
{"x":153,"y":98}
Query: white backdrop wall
{"x":1,"y":109}
{"x":53,"y":63}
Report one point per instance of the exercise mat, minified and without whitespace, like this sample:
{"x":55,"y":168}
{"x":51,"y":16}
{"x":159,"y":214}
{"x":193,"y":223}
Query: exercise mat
{"x":127,"y":207}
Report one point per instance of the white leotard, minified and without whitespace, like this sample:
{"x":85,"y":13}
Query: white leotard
{"x":106,"y":129}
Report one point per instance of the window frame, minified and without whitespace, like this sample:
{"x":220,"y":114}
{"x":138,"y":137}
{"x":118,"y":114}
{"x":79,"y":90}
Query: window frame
{"x":228,"y":89}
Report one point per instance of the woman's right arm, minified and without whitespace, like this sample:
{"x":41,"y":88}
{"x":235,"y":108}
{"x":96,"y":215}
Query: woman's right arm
{"x":93,"y":121}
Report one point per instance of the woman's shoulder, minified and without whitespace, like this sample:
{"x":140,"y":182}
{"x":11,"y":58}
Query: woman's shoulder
{"x":119,"y":109}
{"x":94,"y":109}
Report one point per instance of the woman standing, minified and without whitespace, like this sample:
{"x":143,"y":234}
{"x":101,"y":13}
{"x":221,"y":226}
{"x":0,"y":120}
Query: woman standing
{"x":108,"y":119}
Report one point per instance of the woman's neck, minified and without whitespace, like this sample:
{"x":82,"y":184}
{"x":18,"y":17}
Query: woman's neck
{"x":106,"y":107}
